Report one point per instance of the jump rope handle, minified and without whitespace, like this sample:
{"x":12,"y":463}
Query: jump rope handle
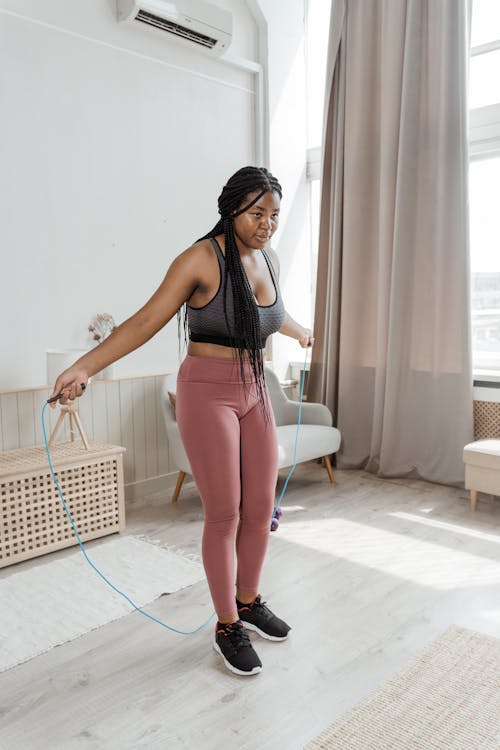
{"x":56,"y":398}
{"x":276,"y":519}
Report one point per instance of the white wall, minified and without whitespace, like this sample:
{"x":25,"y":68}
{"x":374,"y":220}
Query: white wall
{"x":114,"y":145}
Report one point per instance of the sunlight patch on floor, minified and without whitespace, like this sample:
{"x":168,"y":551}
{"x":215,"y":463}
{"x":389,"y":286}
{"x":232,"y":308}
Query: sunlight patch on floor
{"x":477,"y":533}
{"x":493,"y":615}
{"x":429,"y":563}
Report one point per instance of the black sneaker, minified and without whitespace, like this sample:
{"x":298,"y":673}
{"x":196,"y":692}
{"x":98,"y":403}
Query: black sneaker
{"x":233,"y":644}
{"x":258,"y":617}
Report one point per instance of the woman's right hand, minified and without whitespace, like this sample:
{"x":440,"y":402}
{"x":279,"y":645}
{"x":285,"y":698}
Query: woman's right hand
{"x":71,"y":383}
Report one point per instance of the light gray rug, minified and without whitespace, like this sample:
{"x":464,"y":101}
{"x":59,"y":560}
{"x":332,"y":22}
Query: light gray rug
{"x":61,"y":599}
{"x":447,"y":698}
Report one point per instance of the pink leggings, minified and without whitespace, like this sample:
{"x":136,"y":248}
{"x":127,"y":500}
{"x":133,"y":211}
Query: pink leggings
{"x":234,"y":460}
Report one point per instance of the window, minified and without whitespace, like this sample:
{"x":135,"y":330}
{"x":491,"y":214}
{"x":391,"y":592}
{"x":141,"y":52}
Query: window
{"x":484,"y":173}
{"x":317,"y":28}
{"x":484,"y":183}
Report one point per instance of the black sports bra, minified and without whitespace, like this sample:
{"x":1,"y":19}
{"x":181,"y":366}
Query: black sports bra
{"x":207,"y":324}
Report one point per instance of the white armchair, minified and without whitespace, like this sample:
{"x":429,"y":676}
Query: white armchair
{"x":317,"y":438}
{"x":176,"y":448}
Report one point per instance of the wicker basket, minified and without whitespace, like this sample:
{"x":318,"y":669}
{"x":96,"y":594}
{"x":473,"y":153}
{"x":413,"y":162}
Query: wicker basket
{"x":32,"y":518}
{"x":486,"y":420}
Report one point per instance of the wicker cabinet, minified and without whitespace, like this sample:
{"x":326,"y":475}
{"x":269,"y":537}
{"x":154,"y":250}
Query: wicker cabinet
{"x":32,"y":518}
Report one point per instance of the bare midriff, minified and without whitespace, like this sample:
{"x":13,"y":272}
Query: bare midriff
{"x":199,"y":349}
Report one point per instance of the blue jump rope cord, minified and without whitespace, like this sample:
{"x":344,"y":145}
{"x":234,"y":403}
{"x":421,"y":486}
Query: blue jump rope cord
{"x":106,"y":580}
{"x":296,"y":440}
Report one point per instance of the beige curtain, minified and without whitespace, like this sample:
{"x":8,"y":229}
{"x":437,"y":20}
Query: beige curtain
{"x":392,"y":357}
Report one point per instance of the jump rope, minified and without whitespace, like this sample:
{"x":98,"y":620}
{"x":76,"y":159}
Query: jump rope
{"x":275,"y":518}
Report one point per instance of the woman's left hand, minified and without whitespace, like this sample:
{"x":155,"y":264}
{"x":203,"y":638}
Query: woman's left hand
{"x":306,"y":339}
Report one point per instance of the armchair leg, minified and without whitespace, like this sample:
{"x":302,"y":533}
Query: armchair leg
{"x":178,"y":486}
{"x":473,"y":500}
{"x":329,"y":469}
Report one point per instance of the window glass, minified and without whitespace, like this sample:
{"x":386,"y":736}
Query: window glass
{"x":315,"y":197}
{"x":485,"y":22}
{"x":484,"y":176}
{"x":484,"y":79}
{"x":318,"y":22}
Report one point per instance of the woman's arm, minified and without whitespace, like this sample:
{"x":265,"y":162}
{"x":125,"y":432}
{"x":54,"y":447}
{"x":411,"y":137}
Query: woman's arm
{"x":290,"y":326}
{"x":293,"y":329}
{"x":182,"y":277}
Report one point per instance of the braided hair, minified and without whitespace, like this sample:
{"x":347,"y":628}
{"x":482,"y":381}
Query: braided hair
{"x":247,"y":337}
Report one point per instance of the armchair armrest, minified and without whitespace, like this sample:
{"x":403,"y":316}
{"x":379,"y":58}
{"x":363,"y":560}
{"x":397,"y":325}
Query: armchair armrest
{"x":310,"y":414}
{"x":286,"y":411}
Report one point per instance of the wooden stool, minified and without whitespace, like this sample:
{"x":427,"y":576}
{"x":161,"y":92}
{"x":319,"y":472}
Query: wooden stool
{"x":74,"y":420}
{"x":482,"y":468}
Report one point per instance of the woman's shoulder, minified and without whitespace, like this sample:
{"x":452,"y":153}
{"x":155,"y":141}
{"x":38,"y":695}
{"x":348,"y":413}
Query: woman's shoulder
{"x":273,"y":256}
{"x":198,"y":252}
{"x":199,"y":262}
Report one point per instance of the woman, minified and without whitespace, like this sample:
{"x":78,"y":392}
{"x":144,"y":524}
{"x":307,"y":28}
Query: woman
{"x":228,"y":286}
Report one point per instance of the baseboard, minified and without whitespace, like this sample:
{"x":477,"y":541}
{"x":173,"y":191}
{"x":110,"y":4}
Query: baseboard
{"x":163,"y":483}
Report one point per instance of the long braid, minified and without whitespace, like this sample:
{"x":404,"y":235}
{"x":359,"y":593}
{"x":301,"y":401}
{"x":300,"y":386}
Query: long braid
{"x":247,"y":334}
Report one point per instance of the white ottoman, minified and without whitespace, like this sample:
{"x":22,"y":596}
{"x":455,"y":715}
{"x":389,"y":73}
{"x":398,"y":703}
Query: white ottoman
{"x":482,"y":468}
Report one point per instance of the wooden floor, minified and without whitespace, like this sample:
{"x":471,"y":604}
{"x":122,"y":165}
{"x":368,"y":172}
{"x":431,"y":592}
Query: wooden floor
{"x":367,"y":572}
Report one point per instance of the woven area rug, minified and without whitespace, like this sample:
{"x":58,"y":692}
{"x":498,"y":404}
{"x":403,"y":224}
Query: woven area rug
{"x":447,"y":698}
{"x":61,"y":599}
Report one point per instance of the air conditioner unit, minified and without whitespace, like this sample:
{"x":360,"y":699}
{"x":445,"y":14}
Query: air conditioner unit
{"x":195,"y":22}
